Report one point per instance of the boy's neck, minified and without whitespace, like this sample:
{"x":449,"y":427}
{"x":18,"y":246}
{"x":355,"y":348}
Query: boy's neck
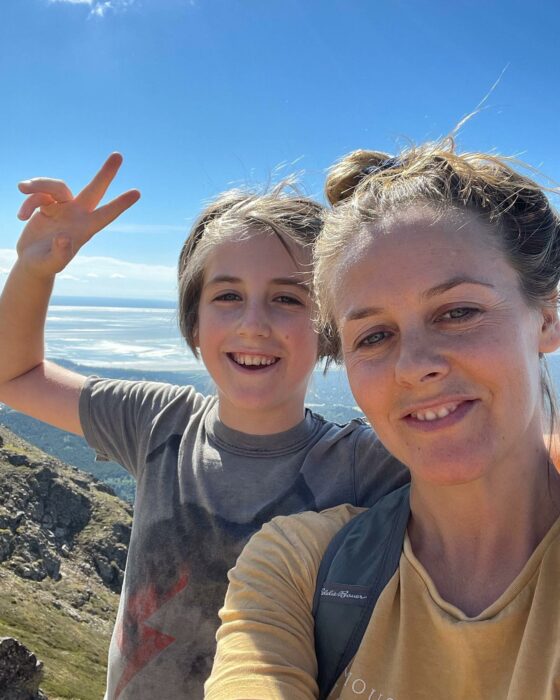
{"x":260,"y":422}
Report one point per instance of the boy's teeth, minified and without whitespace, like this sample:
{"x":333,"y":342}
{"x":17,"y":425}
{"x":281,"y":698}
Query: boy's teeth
{"x":242,"y":359}
{"x":434,"y":414}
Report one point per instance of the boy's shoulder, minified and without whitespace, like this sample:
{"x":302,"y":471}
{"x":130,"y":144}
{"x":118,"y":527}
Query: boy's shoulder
{"x":335,"y":429}
{"x":141,"y":391}
{"x":353,"y":424}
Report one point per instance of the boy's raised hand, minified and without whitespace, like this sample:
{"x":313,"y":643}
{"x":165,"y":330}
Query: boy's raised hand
{"x":60,"y":224}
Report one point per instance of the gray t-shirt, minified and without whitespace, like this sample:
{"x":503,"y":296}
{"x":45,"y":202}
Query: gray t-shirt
{"x":202,"y":491}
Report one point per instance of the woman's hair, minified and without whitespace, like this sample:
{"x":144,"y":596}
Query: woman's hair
{"x":370,"y":187}
{"x":238,"y":215}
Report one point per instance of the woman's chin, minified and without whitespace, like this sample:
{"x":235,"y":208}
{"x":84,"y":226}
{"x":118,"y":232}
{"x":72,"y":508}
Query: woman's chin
{"x":449,"y":471}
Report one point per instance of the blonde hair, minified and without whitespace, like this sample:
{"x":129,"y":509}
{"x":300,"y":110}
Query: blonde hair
{"x":370,"y":186}
{"x":237,"y":215}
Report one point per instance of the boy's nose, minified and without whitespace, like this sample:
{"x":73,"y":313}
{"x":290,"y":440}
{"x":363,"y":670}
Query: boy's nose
{"x":254,"y":322}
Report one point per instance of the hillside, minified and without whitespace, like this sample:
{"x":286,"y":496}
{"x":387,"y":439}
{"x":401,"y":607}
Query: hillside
{"x":63,"y":544}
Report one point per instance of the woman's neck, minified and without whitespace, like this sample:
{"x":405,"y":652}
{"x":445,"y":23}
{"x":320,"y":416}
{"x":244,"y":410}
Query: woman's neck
{"x":474,"y":539}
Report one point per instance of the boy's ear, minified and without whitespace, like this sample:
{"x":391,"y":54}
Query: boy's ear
{"x":550,"y":329}
{"x":195,"y":336}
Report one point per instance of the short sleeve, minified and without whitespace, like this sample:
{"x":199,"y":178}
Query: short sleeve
{"x":117,"y":416}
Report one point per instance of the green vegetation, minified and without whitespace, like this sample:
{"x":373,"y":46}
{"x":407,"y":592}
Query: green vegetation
{"x":72,"y":643}
{"x":67,"y":623}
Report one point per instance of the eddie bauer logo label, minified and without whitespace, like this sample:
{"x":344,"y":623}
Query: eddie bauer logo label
{"x":345,"y":593}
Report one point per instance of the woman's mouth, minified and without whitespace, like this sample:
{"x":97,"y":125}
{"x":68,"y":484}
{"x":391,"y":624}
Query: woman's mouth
{"x":439,"y":416}
{"x":435,"y":413}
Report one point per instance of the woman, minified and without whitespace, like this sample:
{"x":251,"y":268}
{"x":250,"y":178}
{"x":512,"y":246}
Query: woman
{"x":438,"y":272}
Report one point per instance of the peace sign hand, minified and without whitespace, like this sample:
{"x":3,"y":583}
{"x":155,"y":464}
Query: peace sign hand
{"x":59,"y":224}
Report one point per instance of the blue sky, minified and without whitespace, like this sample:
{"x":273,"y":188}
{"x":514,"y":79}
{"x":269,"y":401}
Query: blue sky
{"x":201,"y":95}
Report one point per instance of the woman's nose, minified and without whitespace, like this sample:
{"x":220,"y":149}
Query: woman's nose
{"x":421,"y":359}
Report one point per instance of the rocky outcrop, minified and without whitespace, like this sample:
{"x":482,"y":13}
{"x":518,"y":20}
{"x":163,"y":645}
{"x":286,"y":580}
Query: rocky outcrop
{"x":63,"y":545}
{"x":45,"y":507}
{"x":20,"y":672}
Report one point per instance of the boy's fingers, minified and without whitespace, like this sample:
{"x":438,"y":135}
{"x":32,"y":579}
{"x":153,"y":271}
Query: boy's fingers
{"x":59,"y":190}
{"x":40,"y":199}
{"x":93,"y":192}
{"x":109,"y":212}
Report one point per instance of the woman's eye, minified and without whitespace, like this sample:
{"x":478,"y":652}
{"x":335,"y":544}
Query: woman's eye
{"x":373,"y":339}
{"x":460,"y":314}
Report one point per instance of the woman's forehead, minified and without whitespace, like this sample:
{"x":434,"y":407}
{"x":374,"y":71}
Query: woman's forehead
{"x":410,"y":256}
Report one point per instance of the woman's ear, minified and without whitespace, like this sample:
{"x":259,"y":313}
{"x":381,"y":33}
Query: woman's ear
{"x":550,"y":329}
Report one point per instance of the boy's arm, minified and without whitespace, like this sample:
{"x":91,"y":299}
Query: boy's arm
{"x":59,"y":225}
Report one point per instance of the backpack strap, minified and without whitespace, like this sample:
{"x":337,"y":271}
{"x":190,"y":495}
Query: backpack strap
{"x":357,"y":565}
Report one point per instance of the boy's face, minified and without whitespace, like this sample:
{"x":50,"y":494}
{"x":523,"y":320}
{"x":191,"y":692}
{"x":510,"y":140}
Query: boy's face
{"x":255,"y":332}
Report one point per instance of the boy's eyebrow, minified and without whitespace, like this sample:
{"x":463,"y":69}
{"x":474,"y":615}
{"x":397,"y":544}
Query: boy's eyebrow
{"x":224,"y":278}
{"x":281,"y":281}
{"x":358,"y":314}
{"x":290,"y":282}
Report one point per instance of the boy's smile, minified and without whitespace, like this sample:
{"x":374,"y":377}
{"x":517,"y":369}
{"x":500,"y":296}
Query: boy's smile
{"x":252,"y":361}
{"x":255,"y":332}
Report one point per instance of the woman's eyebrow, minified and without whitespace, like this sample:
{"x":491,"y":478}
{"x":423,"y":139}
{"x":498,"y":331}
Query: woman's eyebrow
{"x":451,"y":284}
{"x":358,"y":314}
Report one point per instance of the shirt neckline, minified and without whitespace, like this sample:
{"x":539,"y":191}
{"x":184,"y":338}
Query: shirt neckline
{"x":235,"y":441}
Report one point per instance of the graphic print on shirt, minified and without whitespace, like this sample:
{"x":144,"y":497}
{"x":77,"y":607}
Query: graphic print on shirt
{"x":148,"y":641}
{"x":170,"y":616}
{"x":358,"y":687}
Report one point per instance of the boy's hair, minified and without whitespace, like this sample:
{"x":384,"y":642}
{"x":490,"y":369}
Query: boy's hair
{"x":370,"y":187}
{"x":237,"y":215}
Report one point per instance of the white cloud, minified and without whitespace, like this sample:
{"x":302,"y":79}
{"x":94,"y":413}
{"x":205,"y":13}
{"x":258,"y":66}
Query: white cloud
{"x":109,"y":277}
{"x":7,"y":258}
{"x":98,"y":8}
{"x":104,"y":276}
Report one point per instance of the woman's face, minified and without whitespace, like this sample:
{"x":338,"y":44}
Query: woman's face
{"x":441,"y":348}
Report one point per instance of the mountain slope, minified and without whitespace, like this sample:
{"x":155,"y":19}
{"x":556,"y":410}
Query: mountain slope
{"x":63,"y":545}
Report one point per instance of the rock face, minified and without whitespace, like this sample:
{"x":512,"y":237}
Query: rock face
{"x":43,"y":510}
{"x":63,"y":545}
{"x":20,"y":672}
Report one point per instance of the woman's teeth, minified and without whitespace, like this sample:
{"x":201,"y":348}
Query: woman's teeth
{"x":253,"y":360}
{"x":435,"y":413}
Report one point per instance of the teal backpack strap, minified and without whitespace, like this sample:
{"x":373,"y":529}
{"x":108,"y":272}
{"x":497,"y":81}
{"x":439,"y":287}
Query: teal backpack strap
{"x":357,"y":565}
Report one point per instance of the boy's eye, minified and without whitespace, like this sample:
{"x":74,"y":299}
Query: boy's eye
{"x":286,"y":299}
{"x":227,"y":296}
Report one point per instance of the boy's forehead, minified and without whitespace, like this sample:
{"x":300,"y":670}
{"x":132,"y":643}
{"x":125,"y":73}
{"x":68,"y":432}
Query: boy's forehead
{"x":260,"y":255}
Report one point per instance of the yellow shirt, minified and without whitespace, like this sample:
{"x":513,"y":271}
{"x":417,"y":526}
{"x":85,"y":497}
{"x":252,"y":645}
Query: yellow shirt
{"x":416,"y":647}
